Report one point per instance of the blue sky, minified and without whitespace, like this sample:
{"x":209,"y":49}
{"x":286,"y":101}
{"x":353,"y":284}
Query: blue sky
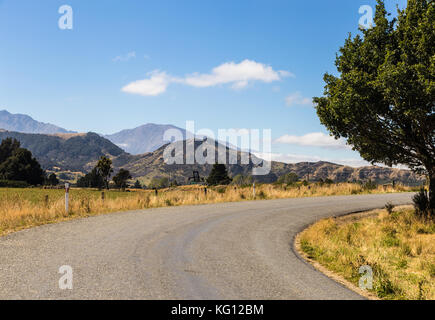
{"x":223,"y":64}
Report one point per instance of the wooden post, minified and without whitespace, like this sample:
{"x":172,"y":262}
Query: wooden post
{"x":156,"y":192}
{"x":46,"y":200}
{"x":205,"y":191}
{"x":103,"y":196}
{"x":253,"y":189}
{"x":67,"y":198}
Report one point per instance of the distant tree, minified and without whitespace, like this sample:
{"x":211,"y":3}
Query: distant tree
{"x":105,"y":169}
{"x":173,"y":183}
{"x":157,"y":183}
{"x":121,"y":178}
{"x":218,"y":175}
{"x":21,"y":166}
{"x":242,"y":180}
{"x":91,"y":180}
{"x":328,"y":181}
{"x":7,"y":147}
{"x":289,"y":178}
{"x":383,"y":98}
{"x":137,"y":185}
{"x":52,"y":180}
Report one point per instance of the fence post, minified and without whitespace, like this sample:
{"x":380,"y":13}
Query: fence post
{"x":253,"y":189}
{"x":205,"y":191}
{"x":67,"y":198}
{"x":102,"y":195}
{"x":46,"y":200}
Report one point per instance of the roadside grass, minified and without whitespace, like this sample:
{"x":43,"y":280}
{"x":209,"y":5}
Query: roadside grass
{"x":23,"y":208}
{"x":398,"y":247}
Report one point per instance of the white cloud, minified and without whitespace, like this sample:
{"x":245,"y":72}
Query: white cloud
{"x":314,"y":139}
{"x":238,"y":75}
{"x":125,"y":57}
{"x":155,"y":85}
{"x":297,"y":99}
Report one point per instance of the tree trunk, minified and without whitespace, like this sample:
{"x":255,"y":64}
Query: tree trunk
{"x":432,"y":190}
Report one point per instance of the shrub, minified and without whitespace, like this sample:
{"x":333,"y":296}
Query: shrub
{"x":308,"y":249}
{"x":389,"y":207}
{"x":262,"y":195}
{"x":289,"y":178}
{"x":421,"y":204}
{"x":221,"y":190}
{"x":13,"y":184}
{"x":369,"y":185}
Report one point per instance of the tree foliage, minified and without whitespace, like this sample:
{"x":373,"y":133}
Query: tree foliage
{"x":137,"y":185}
{"x":91,"y":180}
{"x":242,"y":180}
{"x":104,"y":167}
{"x":121,"y":178}
{"x":383,"y":99}
{"x":289,"y":178}
{"x":52,"y":180}
{"x":157,"y":183}
{"x":218,"y":175}
{"x":18,"y":164}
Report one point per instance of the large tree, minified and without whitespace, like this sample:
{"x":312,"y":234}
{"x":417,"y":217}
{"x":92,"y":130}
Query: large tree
{"x":104,"y":167}
{"x":383,"y":98}
{"x":52,"y":180}
{"x":91,"y":180}
{"x":7,"y":147}
{"x":218,"y":175}
{"x":18,"y":164}
{"x":121,"y":178}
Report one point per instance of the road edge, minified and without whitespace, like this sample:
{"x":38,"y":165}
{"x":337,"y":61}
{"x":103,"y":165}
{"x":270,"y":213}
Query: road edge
{"x":301,"y":255}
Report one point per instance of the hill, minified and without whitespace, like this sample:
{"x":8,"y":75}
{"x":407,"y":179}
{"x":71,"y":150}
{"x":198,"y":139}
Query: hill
{"x":145,"y":138}
{"x":150,"y":165}
{"x":26,"y":124}
{"x":79,"y":153}
{"x":71,"y":152}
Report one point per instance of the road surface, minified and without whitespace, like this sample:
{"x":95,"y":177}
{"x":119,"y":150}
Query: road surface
{"x":221,"y":251}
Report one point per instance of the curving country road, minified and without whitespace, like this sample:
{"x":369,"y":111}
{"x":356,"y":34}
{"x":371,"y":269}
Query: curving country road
{"x":223,"y":251}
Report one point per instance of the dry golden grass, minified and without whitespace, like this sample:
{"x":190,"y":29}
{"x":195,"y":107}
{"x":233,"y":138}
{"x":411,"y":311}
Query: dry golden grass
{"x":22,"y":208}
{"x":399,"y":248}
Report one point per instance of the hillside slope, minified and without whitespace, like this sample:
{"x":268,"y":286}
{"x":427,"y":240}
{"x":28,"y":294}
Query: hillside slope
{"x":80,"y":152}
{"x":146,"y":138}
{"x":152,"y":164}
{"x":26,"y":124}
{"x":72,"y":152}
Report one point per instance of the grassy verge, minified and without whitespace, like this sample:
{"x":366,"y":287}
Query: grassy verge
{"x":23,"y":208}
{"x":398,"y":247}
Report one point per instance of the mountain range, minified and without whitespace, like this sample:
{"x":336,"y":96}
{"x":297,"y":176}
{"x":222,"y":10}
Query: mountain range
{"x":145,"y":138}
{"x":26,"y":124}
{"x":79,"y":152}
{"x":65,"y":151}
{"x":151,"y":165}
{"x":140,"y":150}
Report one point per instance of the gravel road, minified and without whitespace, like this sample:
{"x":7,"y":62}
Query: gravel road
{"x":222,"y":251}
